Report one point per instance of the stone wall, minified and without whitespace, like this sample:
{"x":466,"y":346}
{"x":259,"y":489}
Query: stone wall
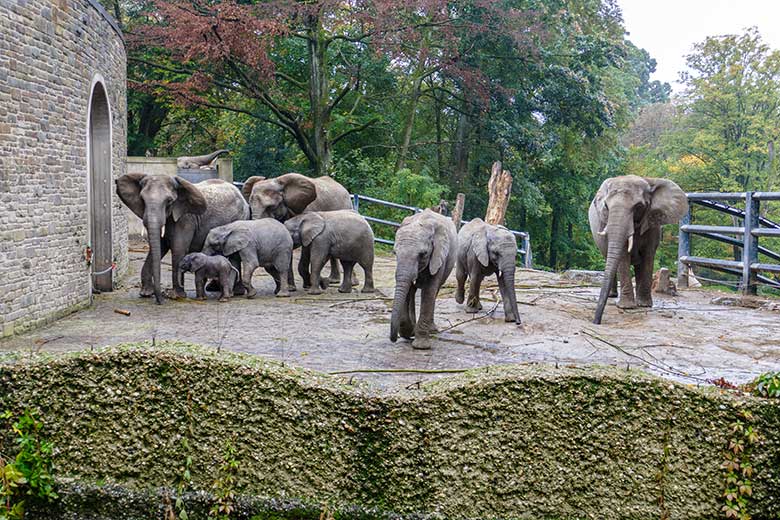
{"x":164,"y":166}
{"x":498,"y":442}
{"x":52,"y":52}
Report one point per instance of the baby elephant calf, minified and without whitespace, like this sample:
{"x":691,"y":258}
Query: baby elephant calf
{"x":343,"y":235}
{"x":206,"y":267}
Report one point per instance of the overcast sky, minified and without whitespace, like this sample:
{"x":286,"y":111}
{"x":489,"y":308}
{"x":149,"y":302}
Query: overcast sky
{"x":669,"y":28}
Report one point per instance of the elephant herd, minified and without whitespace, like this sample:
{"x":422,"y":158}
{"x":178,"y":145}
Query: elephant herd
{"x":220,"y":233}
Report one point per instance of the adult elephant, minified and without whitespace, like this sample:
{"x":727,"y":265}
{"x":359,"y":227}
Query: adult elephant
{"x":625,"y":217}
{"x":291,"y":194}
{"x":426,"y":245}
{"x":188,"y":212}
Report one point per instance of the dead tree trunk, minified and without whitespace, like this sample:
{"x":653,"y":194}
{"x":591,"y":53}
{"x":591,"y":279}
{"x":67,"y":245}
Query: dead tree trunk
{"x":499,"y":190}
{"x":457,"y":213}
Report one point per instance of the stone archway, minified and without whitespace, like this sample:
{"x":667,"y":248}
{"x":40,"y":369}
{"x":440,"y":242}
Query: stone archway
{"x":100,"y":185}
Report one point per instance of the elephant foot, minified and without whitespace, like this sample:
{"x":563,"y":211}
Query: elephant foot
{"x":644,"y":302}
{"x":460,"y":296}
{"x":202,"y":298}
{"x":471,"y":309}
{"x":421,"y":343}
{"x":315,"y":292}
{"x":510,"y":318}
{"x":176,"y":293}
{"x":345,"y":290}
{"x":334,"y":280}
{"x":251,"y":293}
{"x":283,"y":294}
{"x":158,"y":298}
{"x":626,"y":304}
{"x":146,"y":292}
{"x":239,"y":290}
{"x":367,"y":290}
{"x":224,"y":299}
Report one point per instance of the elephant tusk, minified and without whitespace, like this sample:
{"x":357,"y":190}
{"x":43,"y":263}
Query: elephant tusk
{"x":603,"y":233}
{"x":630,"y":242}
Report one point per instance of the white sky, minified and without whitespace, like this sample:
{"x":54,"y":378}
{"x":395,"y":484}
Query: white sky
{"x":667,"y":29}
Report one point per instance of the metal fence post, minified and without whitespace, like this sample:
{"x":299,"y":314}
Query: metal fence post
{"x":527,"y":258}
{"x":750,"y":247}
{"x":683,"y":249}
{"x":356,"y":202}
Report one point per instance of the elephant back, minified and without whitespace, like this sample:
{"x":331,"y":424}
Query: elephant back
{"x":224,"y":204}
{"x":331,"y":196}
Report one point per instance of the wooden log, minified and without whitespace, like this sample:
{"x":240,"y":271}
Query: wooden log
{"x":499,"y":191}
{"x":662,"y":282}
{"x":457,"y":213}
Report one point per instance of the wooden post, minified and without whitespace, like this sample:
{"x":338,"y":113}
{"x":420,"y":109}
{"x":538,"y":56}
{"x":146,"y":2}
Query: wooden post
{"x":750,"y":245}
{"x":499,"y":190}
{"x":457,"y":213}
{"x":683,"y":250}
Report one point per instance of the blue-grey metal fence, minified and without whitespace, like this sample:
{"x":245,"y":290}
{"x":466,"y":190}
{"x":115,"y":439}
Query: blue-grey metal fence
{"x":523,"y":238}
{"x":753,"y":227}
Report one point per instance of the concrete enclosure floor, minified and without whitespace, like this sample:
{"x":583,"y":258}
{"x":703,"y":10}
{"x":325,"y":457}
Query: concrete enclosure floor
{"x":685,"y":338}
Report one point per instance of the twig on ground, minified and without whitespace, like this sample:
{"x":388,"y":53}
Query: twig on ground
{"x":358,"y":300}
{"x":458,"y":324}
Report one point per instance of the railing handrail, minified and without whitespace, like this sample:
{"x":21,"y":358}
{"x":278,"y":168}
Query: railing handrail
{"x":749,"y":267}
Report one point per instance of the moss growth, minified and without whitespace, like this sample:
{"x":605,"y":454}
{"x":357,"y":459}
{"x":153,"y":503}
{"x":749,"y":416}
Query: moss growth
{"x":501,"y":442}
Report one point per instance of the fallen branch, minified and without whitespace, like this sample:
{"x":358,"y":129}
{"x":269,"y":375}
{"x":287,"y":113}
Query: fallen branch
{"x":488,"y":313}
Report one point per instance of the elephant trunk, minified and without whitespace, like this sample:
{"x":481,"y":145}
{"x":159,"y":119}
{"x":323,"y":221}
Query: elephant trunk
{"x":154,"y":231}
{"x":619,"y":229}
{"x":403,"y":285}
{"x":507,"y":270}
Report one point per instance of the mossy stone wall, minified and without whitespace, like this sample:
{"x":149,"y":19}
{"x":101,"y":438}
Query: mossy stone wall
{"x":502,"y":442}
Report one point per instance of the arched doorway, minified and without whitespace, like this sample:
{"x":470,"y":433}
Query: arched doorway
{"x":100,"y":189}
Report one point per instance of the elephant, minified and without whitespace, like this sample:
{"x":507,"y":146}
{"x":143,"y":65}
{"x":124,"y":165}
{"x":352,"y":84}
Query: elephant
{"x":625,"y":217}
{"x":214,"y":267}
{"x":425,"y":248}
{"x":198,"y":161}
{"x":485,"y":249}
{"x":264,"y":242}
{"x":291,"y":194}
{"x":188,"y":212}
{"x":343,"y":235}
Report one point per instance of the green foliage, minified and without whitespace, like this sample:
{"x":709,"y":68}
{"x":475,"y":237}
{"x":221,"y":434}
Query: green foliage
{"x":766,"y":385}
{"x":738,"y":468}
{"x":224,"y":484}
{"x":29,"y":473}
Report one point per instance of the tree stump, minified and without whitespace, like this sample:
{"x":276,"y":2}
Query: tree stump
{"x":457,"y":213}
{"x":499,"y":190}
{"x":662,"y":283}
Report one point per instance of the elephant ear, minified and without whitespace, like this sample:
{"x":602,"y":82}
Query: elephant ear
{"x":479,"y":246}
{"x":299,"y":191}
{"x":235,"y":240}
{"x":311,"y":225}
{"x":246,"y":190}
{"x":128,"y":187}
{"x":668,"y":204}
{"x":441,"y":248}
{"x":189,"y":199}
{"x":600,"y":201}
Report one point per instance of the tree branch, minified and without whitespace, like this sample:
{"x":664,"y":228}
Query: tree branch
{"x":354,"y":130}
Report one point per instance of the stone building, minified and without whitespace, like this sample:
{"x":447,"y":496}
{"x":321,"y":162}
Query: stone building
{"x":62,"y":143}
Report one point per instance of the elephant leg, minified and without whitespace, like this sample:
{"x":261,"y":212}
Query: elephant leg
{"x":461,"y":275}
{"x":248,"y":266}
{"x":368,"y":270}
{"x":290,"y":276}
{"x":644,"y":281}
{"x":225,"y":279}
{"x":508,"y":298}
{"x":613,"y":291}
{"x":472,"y":302}
{"x":335,"y":275}
{"x":626,"y":300}
{"x":424,"y":328}
{"x":282,"y":266}
{"x":303,"y":267}
{"x":180,"y":246}
{"x":200,"y":283}
{"x":318,"y":260}
{"x":346,"y":282}
{"x":274,"y":272}
{"x":147,"y":282}
{"x":408,"y":315}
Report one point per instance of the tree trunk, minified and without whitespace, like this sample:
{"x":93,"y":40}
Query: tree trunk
{"x":408,"y":125}
{"x":439,"y":154}
{"x":457,"y":213}
{"x":319,"y":96}
{"x":460,"y":149}
{"x":555,"y":225}
{"x":499,"y":190}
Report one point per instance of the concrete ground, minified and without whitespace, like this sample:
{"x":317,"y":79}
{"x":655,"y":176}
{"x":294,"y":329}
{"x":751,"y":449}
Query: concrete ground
{"x":685,"y":338}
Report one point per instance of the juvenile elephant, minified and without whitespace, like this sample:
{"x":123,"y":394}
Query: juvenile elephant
{"x":258,"y":243}
{"x":291,"y":194}
{"x":425,"y":249}
{"x":626,"y":218}
{"x":188,"y":212}
{"x":342,"y":235}
{"x":206,"y":267}
{"x":485,"y":249}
